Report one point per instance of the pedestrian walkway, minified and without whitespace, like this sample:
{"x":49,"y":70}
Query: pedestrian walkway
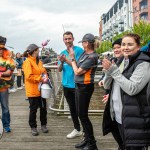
{"x":59,"y":126}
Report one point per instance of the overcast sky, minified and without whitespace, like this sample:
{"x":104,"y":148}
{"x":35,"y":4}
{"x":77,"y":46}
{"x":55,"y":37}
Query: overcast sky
{"x":33,"y":21}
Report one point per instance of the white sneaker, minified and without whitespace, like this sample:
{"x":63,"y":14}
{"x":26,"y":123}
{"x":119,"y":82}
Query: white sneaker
{"x":74,"y":134}
{"x":12,"y":90}
{"x":20,"y":88}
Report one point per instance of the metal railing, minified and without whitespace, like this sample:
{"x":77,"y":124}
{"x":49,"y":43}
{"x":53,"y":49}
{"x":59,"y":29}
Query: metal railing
{"x":57,"y":102}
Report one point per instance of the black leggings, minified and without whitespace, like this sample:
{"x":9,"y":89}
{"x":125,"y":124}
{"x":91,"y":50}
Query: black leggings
{"x":83,"y":97}
{"x":18,"y":81}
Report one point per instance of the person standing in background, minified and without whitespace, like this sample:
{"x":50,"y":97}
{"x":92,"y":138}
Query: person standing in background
{"x":68,"y":80}
{"x":19,"y":68}
{"x":46,"y":58}
{"x":116,"y":46}
{"x":6,"y":69}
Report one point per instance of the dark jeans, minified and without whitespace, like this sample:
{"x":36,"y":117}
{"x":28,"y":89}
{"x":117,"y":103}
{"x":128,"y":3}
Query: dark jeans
{"x":69,"y":94}
{"x":18,"y":81}
{"x":23,"y":76}
{"x":5,"y":108}
{"x":35,"y":103}
{"x":83,"y":96}
{"x":120,"y":127}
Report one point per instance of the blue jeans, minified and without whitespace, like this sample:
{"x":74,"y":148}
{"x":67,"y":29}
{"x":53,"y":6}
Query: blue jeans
{"x":5,"y":108}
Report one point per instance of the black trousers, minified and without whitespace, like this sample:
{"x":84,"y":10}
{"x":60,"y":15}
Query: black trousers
{"x":69,"y":94}
{"x":116,"y":134}
{"x":35,"y":103}
{"x":23,"y":76}
{"x":18,"y":81}
{"x":83,"y":97}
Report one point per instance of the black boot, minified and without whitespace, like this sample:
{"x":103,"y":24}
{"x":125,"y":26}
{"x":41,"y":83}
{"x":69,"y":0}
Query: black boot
{"x":82,"y":144}
{"x":90,"y":146}
{"x":121,"y":148}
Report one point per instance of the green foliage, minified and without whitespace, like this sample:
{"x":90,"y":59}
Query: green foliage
{"x":104,"y":46}
{"x":118,"y":36}
{"x":142,"y":28}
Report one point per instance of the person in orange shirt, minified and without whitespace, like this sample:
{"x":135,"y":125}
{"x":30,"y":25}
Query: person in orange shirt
{"x":6,"y":69}
{"x":34,"y":74}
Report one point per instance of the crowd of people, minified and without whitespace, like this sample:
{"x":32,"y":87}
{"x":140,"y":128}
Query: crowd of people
{"x":126,"y":80}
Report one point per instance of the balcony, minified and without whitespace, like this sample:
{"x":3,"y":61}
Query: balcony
{"x":121,"y":21}
{"x":141,"y":1}
{"x":121,"y":29}
{"x":144,"y":10}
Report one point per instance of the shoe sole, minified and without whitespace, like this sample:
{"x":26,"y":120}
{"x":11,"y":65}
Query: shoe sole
{"x":35,"y":134}
{"x":7,"y":131}
{"x":45,"y":131}
{"x":79,"y":147}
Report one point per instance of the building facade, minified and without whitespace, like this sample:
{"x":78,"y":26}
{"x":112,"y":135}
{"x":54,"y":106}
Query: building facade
{"x":116,"y":20}
{"x":122,"y":16}
{"x":141,"y":10}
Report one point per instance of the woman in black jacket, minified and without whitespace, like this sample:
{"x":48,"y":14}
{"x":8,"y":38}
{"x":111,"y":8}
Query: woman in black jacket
{"x":127,"y":106}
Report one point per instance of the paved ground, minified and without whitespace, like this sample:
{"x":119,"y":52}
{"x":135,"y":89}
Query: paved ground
{"x":59,"y":126}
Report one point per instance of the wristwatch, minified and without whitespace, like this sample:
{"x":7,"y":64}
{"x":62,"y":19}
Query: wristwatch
{"x":72,"y":59}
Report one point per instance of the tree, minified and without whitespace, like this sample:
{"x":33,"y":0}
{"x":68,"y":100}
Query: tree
{"x":142,"y":28}
{"x":118,"y":36}
{"x":104,"y":46}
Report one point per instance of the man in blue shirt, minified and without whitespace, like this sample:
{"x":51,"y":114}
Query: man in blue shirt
{"x":68,"y":80}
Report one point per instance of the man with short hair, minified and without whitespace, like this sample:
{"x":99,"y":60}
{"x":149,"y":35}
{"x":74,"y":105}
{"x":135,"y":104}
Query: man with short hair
{"x":6,"y":69}
{"x":68,"y":80}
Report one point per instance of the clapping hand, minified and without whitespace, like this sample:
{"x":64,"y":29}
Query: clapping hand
{"x":61,"y":58}
{"x":106,"y":63}
{"x":71,"y":52}
{"x":101,"y":83}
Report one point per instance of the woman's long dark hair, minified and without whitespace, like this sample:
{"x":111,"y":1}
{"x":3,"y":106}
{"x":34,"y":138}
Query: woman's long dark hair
{"x":37,"y":58}
{"x":25,"y":54}
{"x":92,"y":45}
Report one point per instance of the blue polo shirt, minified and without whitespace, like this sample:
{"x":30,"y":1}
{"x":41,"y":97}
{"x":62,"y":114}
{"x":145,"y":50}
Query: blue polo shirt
{"x":67,"y":72}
